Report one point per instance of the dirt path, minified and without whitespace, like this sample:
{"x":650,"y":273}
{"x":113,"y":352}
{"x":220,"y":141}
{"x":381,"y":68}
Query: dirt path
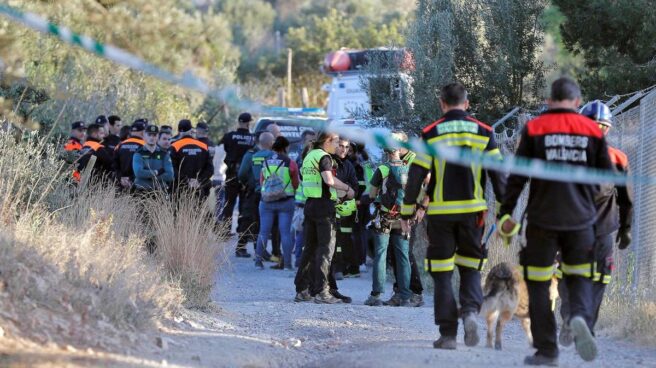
{"x":260,"y":326}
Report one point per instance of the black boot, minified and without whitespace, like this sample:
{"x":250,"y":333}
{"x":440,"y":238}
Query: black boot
{"x":338,"y":295}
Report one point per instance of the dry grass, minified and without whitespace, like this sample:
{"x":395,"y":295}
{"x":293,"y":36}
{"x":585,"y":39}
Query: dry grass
{"x":73,"y":265}
{"x":631,"y":317}
{"x":190,"y":245}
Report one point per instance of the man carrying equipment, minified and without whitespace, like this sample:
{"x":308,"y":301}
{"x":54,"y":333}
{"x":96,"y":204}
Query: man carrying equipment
{"x":388,"y":189}
{"x":614,"y":213}
{"x":560,"y":217}
{"x":455,"y":213}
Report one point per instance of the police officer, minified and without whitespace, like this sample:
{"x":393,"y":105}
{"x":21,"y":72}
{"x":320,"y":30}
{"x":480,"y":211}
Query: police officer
{"x":123,"y":155}
{"x":112,"y":139}
{"x":320,"y":187}
{"x":249,"y":174}
{"x":560,"y":217}
{"x":192,"y":163}
{"x":152,"y":166}
{"x":614,"y":214}
{"x":102,"y":167}
{"x":153,"y":173}
{"x":236,"y":144}
{"x":455,"y":214}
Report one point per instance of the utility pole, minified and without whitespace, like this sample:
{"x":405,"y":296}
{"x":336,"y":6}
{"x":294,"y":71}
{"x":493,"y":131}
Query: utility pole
{"x":289,"y":77}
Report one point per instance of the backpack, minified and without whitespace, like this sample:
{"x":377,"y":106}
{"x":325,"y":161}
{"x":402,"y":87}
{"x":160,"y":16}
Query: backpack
{"x":274,"y":187}
{"x":393,"y":188}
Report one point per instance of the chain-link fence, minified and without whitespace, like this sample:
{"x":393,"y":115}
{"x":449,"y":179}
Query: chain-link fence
{"x":634,"y":132}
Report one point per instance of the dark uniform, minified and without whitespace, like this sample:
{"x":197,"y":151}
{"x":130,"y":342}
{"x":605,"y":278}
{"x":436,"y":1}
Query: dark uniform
{"x":123,"y":158}
{"x":236,"y":144}
{"x":455,"y":215}
{"x":560,"y":217}
{"x":614,"y":214}
{"x":344,"y":259}
{"x":111,"y":141}
{"x":191,"y":160}
{"x":102,"y":167}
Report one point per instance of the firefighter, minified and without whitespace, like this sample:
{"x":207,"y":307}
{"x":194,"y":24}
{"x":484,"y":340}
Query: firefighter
{"x":364,"y":168}
{"x":112,"y":139}
{"x":320,"y":187}
{"x":560,"y":217}
{"x":235,"y":144}
{"x":455,"y":214}
{"x":102,"y":166}
{"x":192,"y":163}
{"x":123,"y":155}
{"x":78,"y":131}
{"x":614,"y":214}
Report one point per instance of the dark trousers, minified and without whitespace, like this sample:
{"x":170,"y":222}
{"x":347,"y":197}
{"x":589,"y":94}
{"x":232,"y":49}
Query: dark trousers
{"x":345,"y":259}
{"x":233,"y":191}
{"x":314,"y":270}
{"x":604,"y":259}
{"x":452,"y":243}
{"x":415,"y":278}
{"x":577,"y":249}
{"x":361,"y":233}
{"x":248,"y":223}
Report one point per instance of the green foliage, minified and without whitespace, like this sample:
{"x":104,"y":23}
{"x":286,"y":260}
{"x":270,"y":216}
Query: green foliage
{"x":616,"y":40}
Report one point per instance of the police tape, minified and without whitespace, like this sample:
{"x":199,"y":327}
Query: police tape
{"x":547,"y":170}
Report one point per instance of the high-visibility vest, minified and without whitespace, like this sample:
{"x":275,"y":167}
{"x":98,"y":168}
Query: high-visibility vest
{"x":300,"y":196}
{"x":73,"y":145}
{"x":312,"y":180}
{"x":278,"y":165}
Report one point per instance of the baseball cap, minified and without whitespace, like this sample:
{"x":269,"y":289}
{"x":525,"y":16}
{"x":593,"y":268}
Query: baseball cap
{"x":152,"y":129}
{"x":245,"y":117}
{"x":184,"y":125}
{"x":138,"y":126}
{"x":78,"y":125}
{"x":202,"y":126}
{"x":101,"y":120}
{"x":166,"y":128}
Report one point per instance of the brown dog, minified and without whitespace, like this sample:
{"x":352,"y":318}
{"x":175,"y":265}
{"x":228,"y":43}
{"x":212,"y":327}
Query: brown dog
{"x":506,"y":295}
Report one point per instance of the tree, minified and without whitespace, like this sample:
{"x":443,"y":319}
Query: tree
{"x":617,"y":43}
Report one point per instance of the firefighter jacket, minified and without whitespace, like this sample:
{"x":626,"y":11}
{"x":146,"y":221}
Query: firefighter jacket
{"x":236,"y":145}
{"x":73,"y":144}
{"x":123,"y":157}
{"x":152,"y":170}
{"x":191,"y":160}
{"x":561,"y":136}
{"x":103,"y":163}
{"x":614,"y":203}
{"x":455,"y":191}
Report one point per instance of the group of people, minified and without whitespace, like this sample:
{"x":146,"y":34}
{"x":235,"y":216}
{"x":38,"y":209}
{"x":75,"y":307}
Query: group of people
{"x":321,"y":210}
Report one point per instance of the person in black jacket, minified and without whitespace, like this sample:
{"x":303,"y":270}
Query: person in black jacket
{"x":123,"y":155}
{"x":192,"y":163}
{"x":614,"y":215}
{"x":560,"y":217}
{"x":102,"y":164}
{"x":236,"y":144}
{"x":113,"y":127}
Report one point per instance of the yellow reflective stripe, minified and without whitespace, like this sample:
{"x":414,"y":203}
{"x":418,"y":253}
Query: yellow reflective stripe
{"x":495,"y":152}
{"x":407,"y":209}
{"x":440,"y":166}
{"x":577,"y":270}
{"x":462,"y":139}
{"x":338,"y":249}
{"x":451,"y":207}
{"x":606,"y":279}
{"x":346,"y":230}
{"x":534,"y":273}
{"x":558,"y":273}
{"x":439,"y":265}
{"x":477,"y":170}
{"x":423,"y":160}
{"x":470,"y":262}
{"x":310,"y":184}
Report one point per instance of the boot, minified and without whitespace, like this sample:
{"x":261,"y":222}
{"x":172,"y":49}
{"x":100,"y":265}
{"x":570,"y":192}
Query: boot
{"x":583,"y":340}
{"x":471,"y":329}
{"x":539,"y":359}
{"x":373,"y":301}
{"x":394,"y":301}
{"x":303,"y":296}
{"x":445,"y":342}
{"x":326,"y":298}
{"x":338,"y":295}
{"x":242,"y":253}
